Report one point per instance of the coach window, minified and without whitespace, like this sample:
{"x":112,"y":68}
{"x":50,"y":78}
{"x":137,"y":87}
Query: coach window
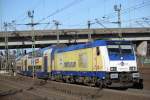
{"x":38,"y":68}
{"x":97,"y":51}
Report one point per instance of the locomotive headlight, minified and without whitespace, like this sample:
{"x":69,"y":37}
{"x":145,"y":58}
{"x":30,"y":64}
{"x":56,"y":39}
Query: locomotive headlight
{"x":132,"y":68}
{"x":113,"y":68}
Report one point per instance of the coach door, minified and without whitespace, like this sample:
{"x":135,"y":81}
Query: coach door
{"x":25,"y":63}
{"x":45,"y":63}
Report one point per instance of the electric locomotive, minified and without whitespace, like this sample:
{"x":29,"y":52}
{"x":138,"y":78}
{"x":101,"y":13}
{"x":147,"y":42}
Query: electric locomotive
{"x":103,"y":63}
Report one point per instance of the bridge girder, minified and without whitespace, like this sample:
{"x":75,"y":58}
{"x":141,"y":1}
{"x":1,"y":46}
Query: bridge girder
{"x":71,"y":36}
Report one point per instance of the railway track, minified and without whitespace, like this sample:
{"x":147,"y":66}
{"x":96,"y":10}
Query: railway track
{"x":145,"y":73}
{"x":28,"y":89}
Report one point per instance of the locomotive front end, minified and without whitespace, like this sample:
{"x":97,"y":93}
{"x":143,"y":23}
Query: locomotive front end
{"x":122,"y":68}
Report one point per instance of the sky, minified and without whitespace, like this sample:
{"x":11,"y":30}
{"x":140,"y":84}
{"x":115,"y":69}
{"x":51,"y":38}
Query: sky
{"x":74,"y":13}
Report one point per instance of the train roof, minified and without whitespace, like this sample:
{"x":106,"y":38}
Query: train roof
{"x":92,"y":44}
{"x":82,"y":46}
{"x":46,"y":48}
{"x":110,"y":42}
{"x":53,"y":47}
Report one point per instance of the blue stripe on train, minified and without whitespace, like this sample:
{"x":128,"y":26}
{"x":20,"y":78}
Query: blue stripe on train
{"x":123,"y":56}
{"x":26,"y":73}
{"x":99,"y":74}
{"x":42,"y":74}
{"x":29,"y":73}
{"x":38,"y":74}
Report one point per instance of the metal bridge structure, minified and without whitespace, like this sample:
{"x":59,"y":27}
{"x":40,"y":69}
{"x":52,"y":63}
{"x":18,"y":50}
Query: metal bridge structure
{"x":23,"y":39}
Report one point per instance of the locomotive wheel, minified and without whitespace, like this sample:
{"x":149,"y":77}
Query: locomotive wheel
{"x":138,"y":85}
{"x":99,"y":84}
{"x":72,"y":80}
{"x":68,"y":80}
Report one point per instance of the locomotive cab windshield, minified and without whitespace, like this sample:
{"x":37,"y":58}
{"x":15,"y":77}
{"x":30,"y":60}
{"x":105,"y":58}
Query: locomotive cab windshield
{"x":120,"y":49}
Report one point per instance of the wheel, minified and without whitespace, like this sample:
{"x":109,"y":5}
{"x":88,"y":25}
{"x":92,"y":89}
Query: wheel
{"x":99,"y":84}
{"x":138,"y":85}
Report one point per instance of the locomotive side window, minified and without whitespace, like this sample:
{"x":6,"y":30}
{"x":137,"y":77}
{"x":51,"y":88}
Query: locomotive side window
{"x":97,"y":51}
